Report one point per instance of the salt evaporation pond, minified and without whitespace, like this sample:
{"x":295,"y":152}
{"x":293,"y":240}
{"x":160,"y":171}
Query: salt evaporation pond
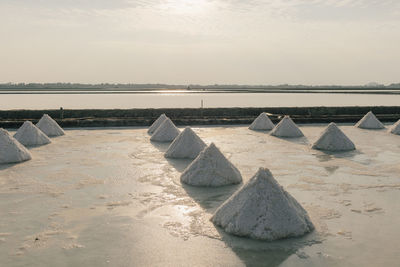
{"x":109,"y":197}
{"x":190,"y":100}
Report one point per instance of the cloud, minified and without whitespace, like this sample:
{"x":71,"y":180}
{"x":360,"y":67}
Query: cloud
{"x":320,"y":9}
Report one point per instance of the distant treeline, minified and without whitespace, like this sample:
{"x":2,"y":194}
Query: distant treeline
{"x":88,"y":86}
{"x":158,"y":86}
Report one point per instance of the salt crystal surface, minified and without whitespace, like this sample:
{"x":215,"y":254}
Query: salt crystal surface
{"x":333,"y":139}
{"x":262,"y":123}
{"x":12,"y":151}
{"x":395,"y":129}
{"x":166,"y":132}
{"x":186,"y":145}
{"x":30,"y":135}
{"x":369,"y":121}
{"x":156,"y":123}
{"x":262,"y":209}
{"x":211,"y":168}
{"x":49,"y":126}
{"x":286,"y":128}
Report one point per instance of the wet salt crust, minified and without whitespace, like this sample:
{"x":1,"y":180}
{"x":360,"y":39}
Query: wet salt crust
{"x":333,"y":139}
{"x":186,"y":145}
{"x":110,"y":180}
{"x":166,"y":132}
{"x":262,"y":209}
{"x":286,"y":128}
{"x":156,"y":123}
{"x":211,"y":168}
{"x":369,"y":121}
{"x":49,"y":126}
{"x":11,"y":151}
{"x":262,"y":123}
{"x":29,"y":135}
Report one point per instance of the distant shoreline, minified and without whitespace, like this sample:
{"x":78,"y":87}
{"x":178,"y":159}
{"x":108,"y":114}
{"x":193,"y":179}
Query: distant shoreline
{"x":358,"y":90}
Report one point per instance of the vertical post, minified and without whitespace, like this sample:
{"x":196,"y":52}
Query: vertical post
{"x":61,"y":113}
{"x":202,"y":103}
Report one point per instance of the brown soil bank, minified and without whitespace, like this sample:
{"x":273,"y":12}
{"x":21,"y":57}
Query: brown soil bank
{"x":194,"y":116}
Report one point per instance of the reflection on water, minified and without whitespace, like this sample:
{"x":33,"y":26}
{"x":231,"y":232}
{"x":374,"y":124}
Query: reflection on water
{"x":209,"y":198}
{"x":188,"y":100}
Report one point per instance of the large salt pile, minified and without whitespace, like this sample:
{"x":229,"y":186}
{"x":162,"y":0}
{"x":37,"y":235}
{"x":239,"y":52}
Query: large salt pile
{"x":166,"y":132}
{"x":286,"y":128}
{"x":262,"y":209}
{"x":11,"y":151}
{"x":211,"y":168}
{"x":186,"y":145}
{"x":30,"y":135}
{"x":395,"y":129}
{"x":369,"y":121}
{"x":333,"y":139}
{"x":49,"y":126}
{"x":156,"y":123}
{"x":262,"y":123}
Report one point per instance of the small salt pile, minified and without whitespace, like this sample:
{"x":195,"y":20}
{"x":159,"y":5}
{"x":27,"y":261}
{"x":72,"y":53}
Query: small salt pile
{"x":211,"y":168}
{"x":166,"y":132}
{"x":12,"y":151}
{"x":395,"y":129}
{"x":333,"y":139}
{"x":156,"y":123}
{"x":49,"y":126}
{"x":262,"y":209}
{"x":286,"y":128}
{"x":30,"y":135}
{"x":186,"y":145}
{"x":262,"y":123}
{"x":369,"y":121}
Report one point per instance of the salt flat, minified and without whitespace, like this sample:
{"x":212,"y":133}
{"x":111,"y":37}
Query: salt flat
{"x":109,"y":197}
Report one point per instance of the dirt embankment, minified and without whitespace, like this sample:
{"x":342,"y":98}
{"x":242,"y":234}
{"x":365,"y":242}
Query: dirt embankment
{"x":194,"y":116}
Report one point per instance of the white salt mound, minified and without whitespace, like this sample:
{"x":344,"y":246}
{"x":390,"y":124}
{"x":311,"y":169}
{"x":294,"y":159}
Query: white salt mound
{"x":186,"y":145}
{"x":333,"y":139}
{"x":369,"y":121}
{"x":12,"y":151}
{"x":286,"y":128}
{"x":211,"y":168}
{"x":49,"y":126}
{"x":30,"y":135}
{"x":262,"y":209}
{"x":395,"y":129}
{"x":262,"y":123}
{"x":156,"y":123}
{"x":166,"y":132}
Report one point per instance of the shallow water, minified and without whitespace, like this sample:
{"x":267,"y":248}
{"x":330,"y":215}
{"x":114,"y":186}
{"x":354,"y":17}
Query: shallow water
{"x":108,"y":197}
{"x":189,"y":100}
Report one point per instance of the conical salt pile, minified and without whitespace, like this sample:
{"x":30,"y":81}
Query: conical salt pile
{"x":211,"y":168}
{"x":369,"y":121}
{"x":30,"y":135}
{"x":11,"y":151}
{"x":395,"y":129}
{"x":286,"y":128}
{"x":186,"y":145}
{"x":156,"y":123}
{"x":167,"y":132}
{"x":262,"y":123}
{"x":49,"y":126}
{"x":333,"y":139}
{"x":262,"y":209}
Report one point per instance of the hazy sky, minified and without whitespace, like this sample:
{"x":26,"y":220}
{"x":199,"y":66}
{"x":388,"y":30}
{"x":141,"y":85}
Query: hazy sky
{"x":200,"y":41}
